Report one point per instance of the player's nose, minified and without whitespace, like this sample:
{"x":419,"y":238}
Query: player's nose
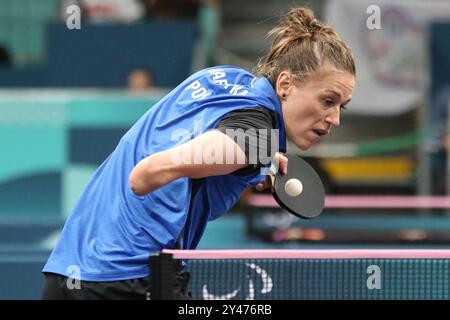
{"x":334,"y":117}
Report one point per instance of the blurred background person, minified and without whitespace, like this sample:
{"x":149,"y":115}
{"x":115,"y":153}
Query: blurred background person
{"x":139,"y":80}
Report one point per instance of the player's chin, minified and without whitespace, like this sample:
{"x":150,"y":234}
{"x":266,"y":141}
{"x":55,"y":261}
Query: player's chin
{"x":304,"y":145}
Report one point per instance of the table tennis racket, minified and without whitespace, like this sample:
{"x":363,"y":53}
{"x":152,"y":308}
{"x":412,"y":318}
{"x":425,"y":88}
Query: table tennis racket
{"x":310,"y":202}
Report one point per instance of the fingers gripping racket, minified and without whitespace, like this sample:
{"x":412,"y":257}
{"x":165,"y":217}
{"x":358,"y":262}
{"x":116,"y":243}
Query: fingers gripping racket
{"x":311,"y":200}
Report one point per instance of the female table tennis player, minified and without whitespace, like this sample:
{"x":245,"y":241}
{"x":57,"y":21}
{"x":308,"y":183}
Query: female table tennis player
{"x":143,"y":199}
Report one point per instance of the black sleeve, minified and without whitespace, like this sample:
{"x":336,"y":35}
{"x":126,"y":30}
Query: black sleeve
{"x":256,"y":142}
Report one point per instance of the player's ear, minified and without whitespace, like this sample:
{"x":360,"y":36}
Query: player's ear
{"x":284,"y":84}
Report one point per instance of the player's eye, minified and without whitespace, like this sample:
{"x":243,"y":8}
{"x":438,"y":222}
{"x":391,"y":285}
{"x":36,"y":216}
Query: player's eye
{"x":329,"y":102}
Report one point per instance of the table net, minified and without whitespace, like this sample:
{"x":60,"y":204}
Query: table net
{"x":308,"y":274}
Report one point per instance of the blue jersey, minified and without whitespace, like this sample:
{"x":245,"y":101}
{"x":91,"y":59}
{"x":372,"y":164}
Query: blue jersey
{"x":111,"y":231}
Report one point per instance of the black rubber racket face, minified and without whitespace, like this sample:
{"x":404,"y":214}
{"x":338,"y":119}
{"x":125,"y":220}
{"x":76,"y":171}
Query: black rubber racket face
{"x":310,"y":203}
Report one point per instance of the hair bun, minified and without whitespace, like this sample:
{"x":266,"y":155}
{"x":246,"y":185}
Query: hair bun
{"x":315,"y":23}
{"x":302,"y":19}
{"x":301,"y":43}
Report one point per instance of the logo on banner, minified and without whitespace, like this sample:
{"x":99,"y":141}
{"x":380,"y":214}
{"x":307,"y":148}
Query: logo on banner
{"x":394,"y":47}
{"x":267,"y":285}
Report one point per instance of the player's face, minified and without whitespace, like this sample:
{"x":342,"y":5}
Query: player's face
{"x":313,"y":108}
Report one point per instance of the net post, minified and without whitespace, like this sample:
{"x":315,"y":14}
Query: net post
{"x":162,"y":276}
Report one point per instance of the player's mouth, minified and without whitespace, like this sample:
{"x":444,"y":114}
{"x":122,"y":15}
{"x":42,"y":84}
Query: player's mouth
{"x":320,"y":132}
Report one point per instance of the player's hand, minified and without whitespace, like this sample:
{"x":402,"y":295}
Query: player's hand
{"x":282,"y":167}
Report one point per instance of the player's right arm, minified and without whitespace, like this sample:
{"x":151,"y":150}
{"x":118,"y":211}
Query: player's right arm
{"x":191,"y":159}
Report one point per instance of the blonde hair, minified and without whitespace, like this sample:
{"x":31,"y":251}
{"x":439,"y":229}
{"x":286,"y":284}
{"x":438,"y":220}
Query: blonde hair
{"x":302,"y":45}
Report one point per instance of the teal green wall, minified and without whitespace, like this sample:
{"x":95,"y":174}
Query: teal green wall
{"x":49,"y":144}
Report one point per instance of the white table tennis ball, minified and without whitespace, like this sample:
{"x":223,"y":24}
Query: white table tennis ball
{"x":293,"y":187}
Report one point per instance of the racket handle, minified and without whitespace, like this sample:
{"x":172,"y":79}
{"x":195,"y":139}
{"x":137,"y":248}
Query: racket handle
{"x":272,"y":183}
{"x":273,"y":169}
